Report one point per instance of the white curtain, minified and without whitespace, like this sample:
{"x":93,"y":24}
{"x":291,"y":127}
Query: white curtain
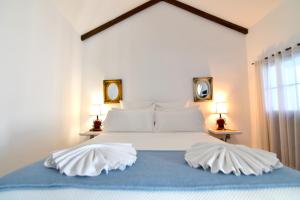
{"x":278,"y":81}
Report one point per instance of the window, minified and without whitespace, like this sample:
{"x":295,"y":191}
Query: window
{"x":281,"y":82}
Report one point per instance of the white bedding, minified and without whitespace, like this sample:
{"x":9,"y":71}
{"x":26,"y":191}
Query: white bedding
{"x":80,"y":194}
{"x":153,"y":141}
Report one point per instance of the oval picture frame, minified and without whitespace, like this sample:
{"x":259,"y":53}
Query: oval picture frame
{"x":202,"y":89}
{"x":112,"y":90}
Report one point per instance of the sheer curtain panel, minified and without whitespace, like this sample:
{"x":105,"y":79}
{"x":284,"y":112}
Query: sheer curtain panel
{"x":278,"y":86}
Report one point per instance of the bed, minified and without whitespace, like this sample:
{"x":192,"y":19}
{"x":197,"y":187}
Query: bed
{"x":159,"y":173}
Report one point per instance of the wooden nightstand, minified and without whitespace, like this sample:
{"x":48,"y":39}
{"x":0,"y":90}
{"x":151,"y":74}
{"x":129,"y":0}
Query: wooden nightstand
{"x":91,"y":134}
{"x":224,"y":134}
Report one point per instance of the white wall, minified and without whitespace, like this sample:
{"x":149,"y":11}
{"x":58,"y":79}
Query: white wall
{"x":277,"y":31}
{"x":158,"y":52}
{"x":39,"y":82}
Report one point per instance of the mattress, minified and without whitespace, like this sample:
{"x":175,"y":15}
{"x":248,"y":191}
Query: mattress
{"x":153,"y":142}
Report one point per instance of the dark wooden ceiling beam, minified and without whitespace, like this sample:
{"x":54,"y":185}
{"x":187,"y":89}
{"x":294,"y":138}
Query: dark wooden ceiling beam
{"x":119,"y":19}
{"x":208,"y":16}
{"x":172,"y":2}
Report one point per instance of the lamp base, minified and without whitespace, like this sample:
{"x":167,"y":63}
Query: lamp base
{"x":97,"y":125}
{"x":221,"y":124}
{"x":95,"y":130}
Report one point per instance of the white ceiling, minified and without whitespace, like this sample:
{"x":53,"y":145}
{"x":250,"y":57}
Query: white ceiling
{"x":85,"y":15}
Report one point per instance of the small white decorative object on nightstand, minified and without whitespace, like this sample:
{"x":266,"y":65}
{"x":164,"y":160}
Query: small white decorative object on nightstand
{"x":225,"y":134}
{"x":91,"y":134}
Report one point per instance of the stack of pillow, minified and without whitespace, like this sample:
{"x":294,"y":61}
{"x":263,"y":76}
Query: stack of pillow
{"x":154,"y":117}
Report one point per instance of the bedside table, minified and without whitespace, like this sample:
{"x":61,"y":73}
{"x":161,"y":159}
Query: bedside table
{"x":225,"y":134}
{"x":91,"y":134}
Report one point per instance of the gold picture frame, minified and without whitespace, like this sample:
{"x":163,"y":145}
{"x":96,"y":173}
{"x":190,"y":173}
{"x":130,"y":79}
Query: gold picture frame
{"x":203,"y":89}
{"x":112,"y":90}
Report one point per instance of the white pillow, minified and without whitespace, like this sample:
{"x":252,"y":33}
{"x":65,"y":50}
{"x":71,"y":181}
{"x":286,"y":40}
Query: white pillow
{"x":129,"y":121}
{"x":179,"y":120}
{"x":170,"y":105}
{"x":136,"y":104}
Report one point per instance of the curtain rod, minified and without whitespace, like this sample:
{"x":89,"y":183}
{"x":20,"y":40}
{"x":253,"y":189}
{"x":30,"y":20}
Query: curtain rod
{"x":279,"y":52}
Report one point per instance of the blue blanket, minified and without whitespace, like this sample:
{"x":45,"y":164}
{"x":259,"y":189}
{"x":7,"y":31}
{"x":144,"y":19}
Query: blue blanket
{"x":153,"y":171}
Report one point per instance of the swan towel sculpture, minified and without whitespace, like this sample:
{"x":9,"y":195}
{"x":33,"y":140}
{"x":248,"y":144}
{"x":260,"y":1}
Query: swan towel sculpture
{"x":91,"y":160}
{"x":229,"y":158}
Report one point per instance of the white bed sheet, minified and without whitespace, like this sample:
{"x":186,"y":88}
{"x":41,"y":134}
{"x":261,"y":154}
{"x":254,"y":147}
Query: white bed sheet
{"x":80,"y":194}
{"x":153,"y":141}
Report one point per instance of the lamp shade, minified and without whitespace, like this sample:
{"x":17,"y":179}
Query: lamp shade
{"x":221,"y":108}
{"x":95,"y":110}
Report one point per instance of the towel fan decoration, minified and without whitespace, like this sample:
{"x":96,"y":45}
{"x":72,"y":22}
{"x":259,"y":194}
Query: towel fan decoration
{"x":91,"y":160}
{"x":176,"y":3}
{"x":229,"y":158}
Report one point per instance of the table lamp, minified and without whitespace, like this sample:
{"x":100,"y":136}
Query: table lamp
{"x":221,"y":108}
{"x":96,"y":111}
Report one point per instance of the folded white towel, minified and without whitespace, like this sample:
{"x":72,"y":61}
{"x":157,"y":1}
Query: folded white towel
{"x":229,"y":158}
{"x":91,"y":160}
